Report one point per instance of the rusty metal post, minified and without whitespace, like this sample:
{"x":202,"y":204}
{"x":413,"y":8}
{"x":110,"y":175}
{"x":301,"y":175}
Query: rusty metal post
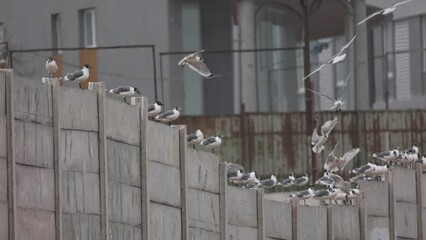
{"x":309,"y":100}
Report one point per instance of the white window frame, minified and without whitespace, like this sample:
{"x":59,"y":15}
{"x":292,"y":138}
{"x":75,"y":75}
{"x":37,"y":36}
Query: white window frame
{"x":91,"y":13}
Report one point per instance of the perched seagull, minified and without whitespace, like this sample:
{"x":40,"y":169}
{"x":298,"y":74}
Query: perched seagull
{"x":234,"y":166}
{"x":154,"y":109}
{"x":325,"y":180}
{"x":51,"y":66}
{"x":340,"y":56}
{"x":288,"y":182}
{"x":325,"y":194}
{"x":234,"y":175}
{"x":255,"y":184}
{"x":212,"y":142}
{"x":124,"y":91}
{"x":196,"y":63}
{"x":325,"y":131}
{"x":387,"y":156}
{"x":248,"y":178}
{"x":378,"y":171}
{"x":341,"y":195}
{"x":301,"y":181}
{"x":360,"y":177}
{"x":385,"y":11}
{"x":409,"y":156}
{"x":79,"y":75}
{"x":268,"y":183}
{"x":337,"y":103}
{"x":304,"y":194}
{"x":195,"y":137}
{"x":168,"y":116}
{"x":364,"y":169}
{"x":423,"y":161}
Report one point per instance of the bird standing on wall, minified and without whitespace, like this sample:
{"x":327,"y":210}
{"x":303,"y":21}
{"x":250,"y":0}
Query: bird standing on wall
{"x":268,"y":183}
{"x":168,"y":116}
{"x":385,"y":11}
{"x":337,"y":103}
{"x":195,"y":137}
{"x":387,"y":156}
{"x":212,"y":142}
{"x":340,"y":56}
{"x":288,"y":182}
{"x":301,"y":181}
{"x":196,"y":63}
{"x":79,"y":75}
{"x":51,"y":67}
{"x":154,"y":109}
{"x":304,"y":194}
{"x":124,"y":91}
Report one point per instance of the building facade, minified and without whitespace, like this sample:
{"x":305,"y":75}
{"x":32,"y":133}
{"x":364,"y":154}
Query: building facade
{"x":263,"y":80}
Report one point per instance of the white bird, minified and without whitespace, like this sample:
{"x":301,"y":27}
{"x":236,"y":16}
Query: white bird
{"x":337,"y":103}
{"x":79,"y":75}
{"x":325,"y":194}
{"x":409,"y":156}
{"x":212,"y":142}
{"x":196,"y":63}
{"x":330,"y":164}
{"x":304,"y":194}
{"x":379,"y":171}
{"x":387,"y":156}
{"x":364,"y":169}
{"x":268,"y":183}
{"x":234,"y":175}
{"x":247,"y":178}
{"x":360,"y":177}
{"x":325,"y":180}
{"x":51,"y":66}
{"x":168,"y":116}
{"x":301,"y":181}
{"x":385,"y":11}
{"x":325,"y":131}
{"x":288,"y":182}
{"x":195,"y":137}
{"x":255,"y":184}
{"x":423,"y":161}
{"x":124,"y":91}
{"x":154,"y":109}
{"x":340,"y":56}
{"x":347,"y":157}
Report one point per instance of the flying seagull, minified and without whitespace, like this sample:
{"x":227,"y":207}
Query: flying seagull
{"x":51,"y":67}
{"x":154,"y":109}
{"x":168,"y":116}
{"x":330,"y":164}
{"x":79,"y":75}
{"x":337,"y":103}
{"x":340,"y":56}
{"x":385,"y":11}
{"x":319,"y":141}
{"x":195,"y":137}
{"x":196,"y":63}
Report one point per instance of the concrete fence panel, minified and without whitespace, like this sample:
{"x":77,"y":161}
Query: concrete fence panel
{"x":203,"y":170}
{"x":32,"y":100}
{"x":165,"y":222}
{"x":203,"y":210}
{"x":278,"y":220}
{"x":311,"y":223}
{"x":242,"y":205}
{"x":164,"y":184}
{"x":78,"y":109}
{"x":346,"y":222}
{"x":404,"y":181}
{"x":122,"y":121}
{"x":162,"y":144}
{"x":80,"y":151}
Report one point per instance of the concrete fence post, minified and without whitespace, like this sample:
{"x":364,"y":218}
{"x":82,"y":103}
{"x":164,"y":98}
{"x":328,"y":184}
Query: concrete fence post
{"x":10,"y":136}
{"x":54,"y":82}
{"x":330,"y":233}
{"x":99,"y":87}
{"x":183,"y":180}
{"x":260,"y":214}
{"x":223,"y":206}
{"x":142,"y":103}
{"x":391,"y":205}
{"x":362,"y":216}
{"x":294,"y":209}
{"x":419,"y":200}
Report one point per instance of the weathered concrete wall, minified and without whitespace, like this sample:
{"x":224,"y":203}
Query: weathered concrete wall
{"x":112,"y":173}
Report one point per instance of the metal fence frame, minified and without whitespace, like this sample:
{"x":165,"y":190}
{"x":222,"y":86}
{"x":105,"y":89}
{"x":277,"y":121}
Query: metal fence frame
{"x":150,"y":46}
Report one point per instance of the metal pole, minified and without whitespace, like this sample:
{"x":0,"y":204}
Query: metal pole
{"x":161,"y":79}
{"x":155,"y":72}
{"x":309,"y":100}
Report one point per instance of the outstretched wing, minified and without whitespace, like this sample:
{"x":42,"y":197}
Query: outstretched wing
{"x":343,"y":88}
{"x":346,"y":46}
{"x":199,"y":67}
{"x":402,"y":2}
{"x":328,"y":126}
{"x":347,"y":157}
{"x":192,"y":55}
{"x":316,"y":70}
{"x":369,"y":17}
{"x":321,"y":95}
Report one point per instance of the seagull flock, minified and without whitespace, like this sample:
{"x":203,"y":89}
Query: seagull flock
{"x":334,"y":186}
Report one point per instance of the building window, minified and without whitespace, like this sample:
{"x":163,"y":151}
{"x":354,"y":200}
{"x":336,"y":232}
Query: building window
{"x":56,"y":30}
{"x":88,"y":26}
